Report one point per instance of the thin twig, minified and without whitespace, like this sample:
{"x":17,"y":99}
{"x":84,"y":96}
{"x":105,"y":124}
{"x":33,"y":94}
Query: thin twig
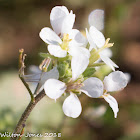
{"x":27,"y":87}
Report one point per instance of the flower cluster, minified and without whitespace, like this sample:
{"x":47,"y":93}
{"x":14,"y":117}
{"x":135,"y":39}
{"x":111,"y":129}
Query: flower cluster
{"x":69,"y":66}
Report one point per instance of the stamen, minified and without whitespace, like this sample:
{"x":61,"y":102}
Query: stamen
{"x":65,"y":42}
{"x":104,"y":94}
{"x":106,"y":45}
{"x":45,"y":64}
{"x":74,"y":86}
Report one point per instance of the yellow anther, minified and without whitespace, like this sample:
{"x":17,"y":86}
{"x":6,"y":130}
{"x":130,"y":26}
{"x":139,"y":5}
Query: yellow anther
{"x":105,"y":91}
{"x":65,"y":37}
{"x":65,"y":42}
{"x":107,"y":41}
{"x":106,"y":45}
{"x":106,"y":95}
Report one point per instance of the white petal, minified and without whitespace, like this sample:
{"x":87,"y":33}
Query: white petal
{"x":113,"y":103}
{"x":49,"y":36}
{"x":97,"y":37}
{"x":108,"y":61}
{"x":75,"y":51}
{"x":32,"y":77}
{"x":77,"y":38}
{"x":68,"y":23}
{"x":72,"y":106}
{"x":56,"y":51}
{"x":80,"y":60}
{"x":106,"y":52}
{"x":35,"y":74}
{"x":47,"y":75}
{"x":54,"y":88}
{"x":115,"y":81}
{"x":34,"y":69}
{"x":93,"y":87}
{"x":57,"y":16}
{"x":90,"y":40}
{"x":128,"y":76}
{"x":96,"y":19}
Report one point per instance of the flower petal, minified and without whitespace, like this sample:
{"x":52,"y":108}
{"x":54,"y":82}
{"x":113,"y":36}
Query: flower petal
{"x":68,"y":23}
{"x":58,"y":14}
{"x":56,"y":51}
{"x":34,"y":69}
{"x":106,"y":52}
{"x":54,"y":88}
{"x":72,"y":106}
{"x":113,"y":103}
{"x":77,"y":38}
{"x":115,"y":81}
{"x":97,"y":37}
{"x":90,"y":40}
{"x":47,"y":75}
{"x":93,"y":87}
{"x":32,"y":77}
{"x":80,"y":60}
{"x":108,"y":61}
{"x":128,"y":76}
{"x":96,"y":19}
{"x":49,"y":36}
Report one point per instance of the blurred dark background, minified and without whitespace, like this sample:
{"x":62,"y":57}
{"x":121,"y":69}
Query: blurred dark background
{"x":20,"y":24}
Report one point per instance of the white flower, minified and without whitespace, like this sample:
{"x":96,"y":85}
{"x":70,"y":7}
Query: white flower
{"x":92,"y":87}
{"x":115,"y":81}
{"x":72,"y":106}
{"x":97,"y":41}
{"x":96,"y":38}
{"x":72,"y":42}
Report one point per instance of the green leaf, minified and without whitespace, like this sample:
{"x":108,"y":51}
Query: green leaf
{"x":89,"y":72}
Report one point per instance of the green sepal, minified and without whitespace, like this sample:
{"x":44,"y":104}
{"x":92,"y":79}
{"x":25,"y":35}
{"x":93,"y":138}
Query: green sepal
{"x":89,"y":72}
{"x":46,"y":55}
{"x":66,"y":80}
{"x":68,"y":73}
{"x":62,"y":68}
{"x":94,"y":56}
